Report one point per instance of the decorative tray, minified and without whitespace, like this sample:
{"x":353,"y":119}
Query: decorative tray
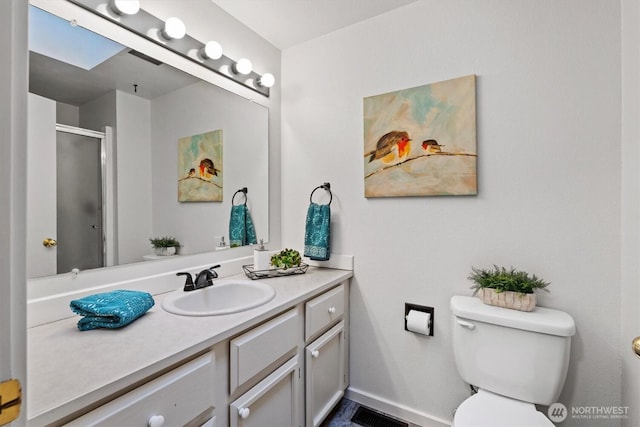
{"x":273,"y":272}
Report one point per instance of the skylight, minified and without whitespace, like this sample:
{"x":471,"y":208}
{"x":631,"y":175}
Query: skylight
{"x":54,"y":37}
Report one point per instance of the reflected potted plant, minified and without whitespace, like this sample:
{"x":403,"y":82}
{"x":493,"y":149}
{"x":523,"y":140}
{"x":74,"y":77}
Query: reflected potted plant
{"x":507,"y":288}
{"x":165,"y":246}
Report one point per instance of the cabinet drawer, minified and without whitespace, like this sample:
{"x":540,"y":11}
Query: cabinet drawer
{"x":252,"y":353}
{"x":323,"y":311}
{"x":179,"y":396}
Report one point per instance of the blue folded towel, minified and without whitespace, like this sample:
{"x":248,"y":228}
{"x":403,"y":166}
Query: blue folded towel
{"x":241,"y":230}
{"x":318,"y":232}
{"x":111,"y":309}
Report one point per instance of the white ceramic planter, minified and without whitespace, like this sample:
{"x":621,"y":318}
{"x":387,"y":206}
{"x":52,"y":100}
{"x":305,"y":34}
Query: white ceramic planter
{"x":171,"y":250}
{"x":508,"y":299}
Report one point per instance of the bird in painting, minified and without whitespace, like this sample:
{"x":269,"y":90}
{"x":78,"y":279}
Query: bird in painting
{"x":431,"y":146}
{"x":207,"y":169}
{"x":390,"y":145}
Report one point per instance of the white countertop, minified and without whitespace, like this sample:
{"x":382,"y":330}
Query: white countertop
{"x":69,"y":369}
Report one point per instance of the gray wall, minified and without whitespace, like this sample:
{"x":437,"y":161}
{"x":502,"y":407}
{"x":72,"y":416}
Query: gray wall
{"x":197,"y":109}
{"x":133,"y":151}
{"x":548,"y":115}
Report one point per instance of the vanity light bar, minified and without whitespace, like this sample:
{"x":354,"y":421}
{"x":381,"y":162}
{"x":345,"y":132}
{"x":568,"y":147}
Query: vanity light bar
{"x":151,"y":28}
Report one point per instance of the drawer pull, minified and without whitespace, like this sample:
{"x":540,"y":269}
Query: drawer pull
{"x":244,"y":413}
{"x":331,"y":310}
{"x":156,"y":421}
{"x":315,"y":354}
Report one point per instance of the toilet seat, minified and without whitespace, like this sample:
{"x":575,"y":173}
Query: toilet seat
{"x":486,"y":409}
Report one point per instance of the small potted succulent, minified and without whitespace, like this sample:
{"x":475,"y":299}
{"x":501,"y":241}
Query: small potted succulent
{"x":165,"y":246}
{"x":507,"y":288}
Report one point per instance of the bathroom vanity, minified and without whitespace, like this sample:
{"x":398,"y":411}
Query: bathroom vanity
{"x":284,"y":363}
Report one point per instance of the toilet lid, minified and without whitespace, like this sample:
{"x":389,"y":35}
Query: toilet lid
{"x":486,"y":409}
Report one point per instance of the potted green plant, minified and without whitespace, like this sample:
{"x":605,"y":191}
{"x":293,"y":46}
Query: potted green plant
{"x":165,"y":245}
{"x":507,"y":288}
{"x":286,"y":258}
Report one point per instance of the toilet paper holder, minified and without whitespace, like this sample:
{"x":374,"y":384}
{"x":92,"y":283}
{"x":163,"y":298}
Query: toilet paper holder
{"x":423,"y":308}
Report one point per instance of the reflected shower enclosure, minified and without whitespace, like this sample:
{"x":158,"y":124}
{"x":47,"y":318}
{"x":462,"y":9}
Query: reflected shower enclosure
{"x":79,"y":208}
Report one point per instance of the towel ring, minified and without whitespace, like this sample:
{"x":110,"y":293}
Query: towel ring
{"x":326,"y":186}
{"x":243,"y":190}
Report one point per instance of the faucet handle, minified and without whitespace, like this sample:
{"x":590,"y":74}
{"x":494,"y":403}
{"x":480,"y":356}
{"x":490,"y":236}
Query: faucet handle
{"x":188,"y":284}
{"x":213,"y":272}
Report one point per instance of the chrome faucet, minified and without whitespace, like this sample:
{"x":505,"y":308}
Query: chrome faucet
{"x":203,"y":279}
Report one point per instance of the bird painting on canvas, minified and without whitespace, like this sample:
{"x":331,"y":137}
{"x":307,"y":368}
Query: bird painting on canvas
{"x":421,"y":141}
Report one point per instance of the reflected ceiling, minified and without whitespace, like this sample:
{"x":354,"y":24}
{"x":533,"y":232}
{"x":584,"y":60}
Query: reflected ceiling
{"x":58,"y":39}
{"x":52,"y":75}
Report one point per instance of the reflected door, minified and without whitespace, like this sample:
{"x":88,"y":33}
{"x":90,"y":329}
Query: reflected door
{"x":41,"y":187}
{"x":79,"y":176}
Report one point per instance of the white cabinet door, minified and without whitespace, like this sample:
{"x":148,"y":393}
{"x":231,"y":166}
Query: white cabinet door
{"x":273,"y":402}
{"x":325,"y":374}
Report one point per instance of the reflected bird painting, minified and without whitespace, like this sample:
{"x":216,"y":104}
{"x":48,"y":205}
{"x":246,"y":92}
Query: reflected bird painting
{"x":200,"y":167}
{"x":421,"y":141}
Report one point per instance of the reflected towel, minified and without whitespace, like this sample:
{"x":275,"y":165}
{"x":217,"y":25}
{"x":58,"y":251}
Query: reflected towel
{"x":318,"y":232}
{"x":111,"y":309}
{"x":241,"y":230}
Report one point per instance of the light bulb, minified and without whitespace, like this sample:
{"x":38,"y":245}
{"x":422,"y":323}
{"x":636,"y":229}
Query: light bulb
{"x":174,"y":28}
{"x":267,"y":80}
{"x":212,"y":50}
{"x":243,"y":66}
{"x":125,"y":7}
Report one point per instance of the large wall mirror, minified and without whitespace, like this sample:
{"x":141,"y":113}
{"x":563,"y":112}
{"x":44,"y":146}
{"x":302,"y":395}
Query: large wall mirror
{"x":112,"y":129}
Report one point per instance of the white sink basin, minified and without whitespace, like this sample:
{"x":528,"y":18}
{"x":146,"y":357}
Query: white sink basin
{"x":226,"y":296}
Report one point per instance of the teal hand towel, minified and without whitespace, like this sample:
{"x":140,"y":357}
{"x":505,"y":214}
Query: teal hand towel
{"x":241,"y":229}
{"x":317,"y":234}
{"x":111,"y":309}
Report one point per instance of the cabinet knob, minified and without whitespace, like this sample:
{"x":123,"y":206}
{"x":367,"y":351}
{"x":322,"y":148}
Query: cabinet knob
{"x":331,"y":310}
{"x":244,"y":413}
{"x":156,"y":421}
{"x":315,"y":354}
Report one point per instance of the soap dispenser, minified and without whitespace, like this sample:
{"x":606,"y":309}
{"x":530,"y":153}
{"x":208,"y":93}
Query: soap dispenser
{"x":261,"y":258}
{"x":223,"y":245}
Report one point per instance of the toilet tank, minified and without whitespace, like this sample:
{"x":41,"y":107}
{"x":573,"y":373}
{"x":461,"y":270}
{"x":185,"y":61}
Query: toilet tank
{"x":522,"y":355}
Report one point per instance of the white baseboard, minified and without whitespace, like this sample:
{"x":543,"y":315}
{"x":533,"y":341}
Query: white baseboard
{"x":395,"y":409}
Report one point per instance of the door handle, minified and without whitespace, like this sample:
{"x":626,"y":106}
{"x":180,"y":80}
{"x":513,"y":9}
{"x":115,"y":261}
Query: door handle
{"x":635,"y":345}
{"x":49,"y":242}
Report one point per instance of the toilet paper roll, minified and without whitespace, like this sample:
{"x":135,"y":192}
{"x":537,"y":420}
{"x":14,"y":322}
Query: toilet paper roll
{"x":419,"y":322}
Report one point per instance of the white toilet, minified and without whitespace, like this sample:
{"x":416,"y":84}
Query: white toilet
{"x":516,"y":359}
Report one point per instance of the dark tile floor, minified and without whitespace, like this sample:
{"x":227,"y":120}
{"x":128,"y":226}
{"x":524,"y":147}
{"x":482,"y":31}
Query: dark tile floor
{"x":341,"y":415}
